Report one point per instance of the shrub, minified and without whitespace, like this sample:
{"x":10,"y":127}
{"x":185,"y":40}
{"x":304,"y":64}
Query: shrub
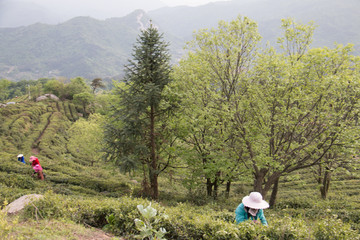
{"x":334,"y":229}
{"x":184,"y":221}
{"x":6,"y":227}
{"x":296,"y":203}
{"x":145,"y":226}
{"x":287,"y":228}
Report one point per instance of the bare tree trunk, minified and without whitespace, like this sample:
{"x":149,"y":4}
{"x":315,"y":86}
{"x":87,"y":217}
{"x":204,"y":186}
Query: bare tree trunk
{"x":216,"y":185}
{"x":258,"y":181}
{"x":227,"y":192}
{"x":145,"y":184}
{"x":324,"y":189}
{"x":153,"y":160}
{"x":209,"y":185}
{"x":274,"y":192}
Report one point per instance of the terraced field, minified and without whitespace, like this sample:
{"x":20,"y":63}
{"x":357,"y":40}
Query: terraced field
{"x":98,"y":195}
{"x":41,"y":129}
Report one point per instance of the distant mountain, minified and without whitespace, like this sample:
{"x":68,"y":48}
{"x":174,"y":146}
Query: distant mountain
{"x":337,"y":20}
{"x":16,"y":13}
{"x":82,"y":46}
{"x":91,"y":48}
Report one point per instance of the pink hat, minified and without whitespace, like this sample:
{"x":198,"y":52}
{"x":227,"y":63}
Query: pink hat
{"x":255,"y":200}
{"x":32,"y":158}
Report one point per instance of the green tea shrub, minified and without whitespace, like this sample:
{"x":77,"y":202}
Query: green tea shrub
{"x":6,"y":227}
{"x":12,"y":165}
{"x":10,"y":194}
{"x":90,"y":211}
{"x":68,"y":111}
{"x":348,"y":215}
{"x":17,"y":180}
{"x":183,"y":221}
{"x":53,"y":142}
{"x":295,"y":203}
{"x":73,"y":112}
{"x":334,"y":229}
{"x":287,"y":228}
{"x":82,"y":190}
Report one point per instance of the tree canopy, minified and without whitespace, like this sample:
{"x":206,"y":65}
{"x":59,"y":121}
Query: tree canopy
{"x":136,"y":133}
{"x":271,"y":112}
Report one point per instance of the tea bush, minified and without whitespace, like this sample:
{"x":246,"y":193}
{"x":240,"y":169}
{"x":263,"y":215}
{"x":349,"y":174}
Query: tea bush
{"x":91,"y":211}
{"x":6,"y":227}
{"x":73,"y":112}
{"x":184,"y":221}
{"x":17,"y":180}
{"x":295,"y":203}
{"x":334,"y":229}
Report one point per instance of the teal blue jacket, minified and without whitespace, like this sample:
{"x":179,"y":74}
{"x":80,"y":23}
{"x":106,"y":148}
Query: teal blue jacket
{"x":241,"y":215}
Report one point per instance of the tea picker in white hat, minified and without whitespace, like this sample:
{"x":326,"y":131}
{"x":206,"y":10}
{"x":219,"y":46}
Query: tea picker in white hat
{"x":251,"y":208}
{"x":21,"y":158}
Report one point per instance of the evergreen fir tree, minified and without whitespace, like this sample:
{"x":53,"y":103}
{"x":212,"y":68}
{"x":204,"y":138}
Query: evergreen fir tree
{"x":133,"y":136}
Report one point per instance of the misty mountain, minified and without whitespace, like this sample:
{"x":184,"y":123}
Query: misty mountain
{"x":336,"y":20}
{"x":16,"y":13}
{"x":82,"y":46}
{"x":87,"y":47}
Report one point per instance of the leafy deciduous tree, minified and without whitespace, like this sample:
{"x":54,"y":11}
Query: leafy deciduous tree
{"x":84,"y":99}
{"x":96,"y":83}
{"x":212,"y":78}
{"x":4,"y":89}
{"x":85,"y":139}
{"x":76,"y":85}
{"x":298,"y":106}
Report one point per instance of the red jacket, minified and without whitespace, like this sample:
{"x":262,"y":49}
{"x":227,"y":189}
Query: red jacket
{"x":35,"y":161}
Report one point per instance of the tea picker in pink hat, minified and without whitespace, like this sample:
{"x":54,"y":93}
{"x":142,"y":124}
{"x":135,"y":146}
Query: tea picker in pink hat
{"x":251,"y":208}
{"x":37,"y":167}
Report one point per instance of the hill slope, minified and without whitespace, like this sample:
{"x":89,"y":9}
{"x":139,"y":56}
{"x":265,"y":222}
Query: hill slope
{"x":42,"y":129}
{"x":91,"y":48}
{"x":82,"y":46}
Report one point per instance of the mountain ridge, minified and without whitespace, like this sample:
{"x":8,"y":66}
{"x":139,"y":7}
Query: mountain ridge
{"x":91,"y":48}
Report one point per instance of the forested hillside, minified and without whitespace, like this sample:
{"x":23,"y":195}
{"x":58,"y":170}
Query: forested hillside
{"x":91,"y":48}
{"x":82,"y":46}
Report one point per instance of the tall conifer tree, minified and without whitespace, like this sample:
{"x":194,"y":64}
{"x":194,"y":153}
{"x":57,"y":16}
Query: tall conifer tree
{"x":134,"y":135}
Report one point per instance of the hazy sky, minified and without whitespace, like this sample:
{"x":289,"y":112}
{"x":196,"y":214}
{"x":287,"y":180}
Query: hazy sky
{"x":172,"y":3}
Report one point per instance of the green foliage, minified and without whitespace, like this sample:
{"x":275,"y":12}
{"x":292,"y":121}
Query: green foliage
{"x":86,"y":137}
{"x":76,"y":86}
{"x":182,"y":221}
{"x":6,"y":227}
{"x":211,"y":80}
{"x":84,"y":99}
{"x":136,"y":132}
{"x":145,"y":226}
{"x":332,"y":228}
{"x":272,"y":113}
{"x":97,"y":83}
{"x":55,"y":87}
{"x":4,"y":91}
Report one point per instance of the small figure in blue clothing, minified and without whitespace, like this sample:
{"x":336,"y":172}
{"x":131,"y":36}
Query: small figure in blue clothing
{"x":251,"y":208}
{"x":21,"y":158}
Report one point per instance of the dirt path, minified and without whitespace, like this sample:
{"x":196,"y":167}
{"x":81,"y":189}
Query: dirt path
{"x":35,"y":150}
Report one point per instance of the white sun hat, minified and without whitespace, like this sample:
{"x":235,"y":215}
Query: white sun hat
{"x":255,"y":200}
{"x":20,"y":155}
